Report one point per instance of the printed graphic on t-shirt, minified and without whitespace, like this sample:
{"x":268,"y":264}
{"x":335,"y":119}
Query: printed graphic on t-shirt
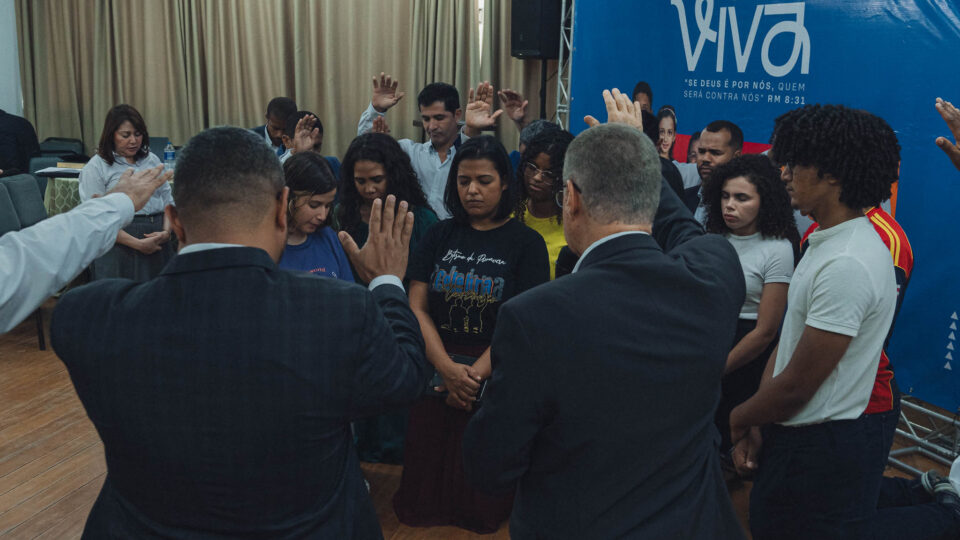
{"x":467,"y":293}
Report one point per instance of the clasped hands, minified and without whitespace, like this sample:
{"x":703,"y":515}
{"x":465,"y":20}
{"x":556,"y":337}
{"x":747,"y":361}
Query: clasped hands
{"x":462,"y":382}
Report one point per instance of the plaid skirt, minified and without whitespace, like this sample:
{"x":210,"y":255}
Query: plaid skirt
{"x":124,"y":262}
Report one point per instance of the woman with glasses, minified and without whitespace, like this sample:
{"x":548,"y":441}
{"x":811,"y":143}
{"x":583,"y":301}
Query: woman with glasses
{"x":541,"y":201}
{"x":463,"y":270}
{"x":746,"y":201}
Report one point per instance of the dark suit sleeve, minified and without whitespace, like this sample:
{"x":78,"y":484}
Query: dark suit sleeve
{"x":392,"y":365}
{"x":673,"y":224}
{"x":498,"y":441}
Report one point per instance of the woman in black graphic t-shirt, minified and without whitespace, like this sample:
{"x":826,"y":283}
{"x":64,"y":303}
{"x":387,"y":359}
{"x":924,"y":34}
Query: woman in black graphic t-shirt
{"x":463,"y":270}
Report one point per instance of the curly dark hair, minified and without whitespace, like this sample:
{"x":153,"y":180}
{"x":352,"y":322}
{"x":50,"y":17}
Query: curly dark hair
{"x":554,"y":144}
{"x":857,"y":148}
{"x":489,"y":148}
{"x":401,"y":179}
{"x":775,"y":218}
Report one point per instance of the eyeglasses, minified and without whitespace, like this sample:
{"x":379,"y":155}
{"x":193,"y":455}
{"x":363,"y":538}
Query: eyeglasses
{"x":530,"y":170}
{"x":563,"y":190}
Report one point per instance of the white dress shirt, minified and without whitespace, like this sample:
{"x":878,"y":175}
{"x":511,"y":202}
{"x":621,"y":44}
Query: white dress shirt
{"x":37,"y":261}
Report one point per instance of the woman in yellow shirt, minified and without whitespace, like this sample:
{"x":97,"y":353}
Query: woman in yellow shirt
{"x":541,"y":171}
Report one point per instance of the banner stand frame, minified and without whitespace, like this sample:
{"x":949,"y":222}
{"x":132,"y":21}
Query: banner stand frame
{"x":935,"y":436}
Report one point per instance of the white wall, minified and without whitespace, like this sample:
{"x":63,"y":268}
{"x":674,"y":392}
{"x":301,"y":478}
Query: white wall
{"x":11,"y":99}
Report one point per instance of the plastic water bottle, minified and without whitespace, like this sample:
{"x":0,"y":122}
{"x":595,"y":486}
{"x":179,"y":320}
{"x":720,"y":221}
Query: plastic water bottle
{"x":169,"y":157}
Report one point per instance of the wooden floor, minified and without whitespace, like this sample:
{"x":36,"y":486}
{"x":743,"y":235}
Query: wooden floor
{"x":52,"y":464}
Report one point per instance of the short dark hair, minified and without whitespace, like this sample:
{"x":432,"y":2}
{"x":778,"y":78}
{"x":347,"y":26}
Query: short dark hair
{"x":115,"y":117}
{"x":290,"y":125}
{"x":439,"y":91}
{"x":775,"y":219}
{"x":857,"y":148}
{"x":226,"y":167}
{"x":281,"y":107}
{"x":401,"y":178}
{"x":642,"y":87}
{"x":554,"y":144}
{"x":489,"y":148}
{"x":695,"y":136}
{"x":736,"y":134}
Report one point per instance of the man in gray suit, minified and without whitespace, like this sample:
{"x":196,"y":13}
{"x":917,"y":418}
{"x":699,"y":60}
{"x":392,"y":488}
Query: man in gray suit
{"x":605,"y":382}
{"x":224,"y":388}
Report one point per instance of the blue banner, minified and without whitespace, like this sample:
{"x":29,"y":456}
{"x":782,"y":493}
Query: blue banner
{"x":750,"y":61}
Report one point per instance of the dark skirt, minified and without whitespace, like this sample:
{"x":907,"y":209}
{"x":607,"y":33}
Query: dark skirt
{"x":124,"y":262}
{"x":741,"y":384}
{"x":433,"y":489}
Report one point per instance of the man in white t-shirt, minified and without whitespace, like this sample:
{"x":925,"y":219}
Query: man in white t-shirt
{"x":814,"y":479}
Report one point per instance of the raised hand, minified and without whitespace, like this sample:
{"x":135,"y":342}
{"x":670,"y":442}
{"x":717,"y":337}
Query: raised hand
{"x":380,"y":125}
{"x":385,"y":93}
{"x":620,"y":110}
{"x":306,"y":135}
{"x":513,"y":104}
{"x":140,"y":185}
{"x":951,"y":116}
{"x":387,"y":246}
{"x":480,"y":113}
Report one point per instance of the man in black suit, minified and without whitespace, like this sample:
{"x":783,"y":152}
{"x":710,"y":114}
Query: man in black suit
{"x":223,"y":389}
{"x":605,"y":381}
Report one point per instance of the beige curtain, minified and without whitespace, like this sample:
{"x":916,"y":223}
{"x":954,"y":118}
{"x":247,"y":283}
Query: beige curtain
{"x":191,"y":64}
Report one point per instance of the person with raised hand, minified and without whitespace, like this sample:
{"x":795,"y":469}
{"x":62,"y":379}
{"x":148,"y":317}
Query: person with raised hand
{"x":235,"y":421}
{"x":610,"y":434}
{"x":440,"y":112}
{"x":37,"y":261}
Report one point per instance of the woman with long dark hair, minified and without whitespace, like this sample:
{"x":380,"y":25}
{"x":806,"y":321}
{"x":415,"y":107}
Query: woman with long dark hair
{"x":143,"y":247}
{"x":463,"y":270}
{"x":747,"y":202}
{"x":376,"y":166}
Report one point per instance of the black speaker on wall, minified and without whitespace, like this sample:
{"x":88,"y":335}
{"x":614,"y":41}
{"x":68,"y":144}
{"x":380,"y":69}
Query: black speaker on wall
{"x":535,"y":28}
